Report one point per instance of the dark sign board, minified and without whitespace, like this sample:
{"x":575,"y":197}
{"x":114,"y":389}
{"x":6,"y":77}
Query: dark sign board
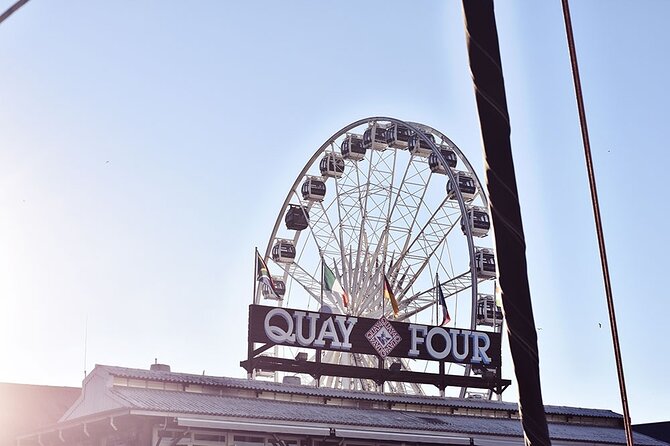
{"x":380,"y":337}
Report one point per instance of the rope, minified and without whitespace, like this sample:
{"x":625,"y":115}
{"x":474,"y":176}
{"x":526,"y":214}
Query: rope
{"x":487,"y":78}
{"x":596,"y":213}
{"x":12,"y":9}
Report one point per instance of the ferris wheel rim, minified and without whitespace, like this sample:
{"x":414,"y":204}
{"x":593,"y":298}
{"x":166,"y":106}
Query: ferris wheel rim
{"x":414,"y":126}
{"x":419,"y":130}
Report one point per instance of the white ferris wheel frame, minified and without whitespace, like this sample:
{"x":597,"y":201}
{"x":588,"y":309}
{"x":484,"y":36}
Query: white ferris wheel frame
{"x":469,"y":279}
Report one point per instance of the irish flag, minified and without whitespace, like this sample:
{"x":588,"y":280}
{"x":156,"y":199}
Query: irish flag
{"x":330,"y":283}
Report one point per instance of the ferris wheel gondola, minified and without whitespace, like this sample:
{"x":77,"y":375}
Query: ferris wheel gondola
{"x":297,"y":217}
{"x":283,"y":251}
{"x":374,"y":137}
{"x":313,"y":189}
{"x":436,"y":164}
{"x":398,"y":136}
{"x":488,"y":311}
{"x":417,"y":146}
{"x":332,"y":165}
{"x":368,"y":209}
{"x":466,"y":185}
{"x":352,"y":147}
{"x":277,"y":291}
{"x":478,"y":220}
{"x":485,"y":262}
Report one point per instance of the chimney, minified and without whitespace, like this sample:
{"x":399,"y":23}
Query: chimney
{"x":156,"y":367}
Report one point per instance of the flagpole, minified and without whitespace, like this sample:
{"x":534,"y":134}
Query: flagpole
{"x":322,"y":275}
{"x":440,"y":302}
{"x":341,"y":276}
{"x":255,"y":272}
{"x":437,"y":303}
{"x":383,"y":287}
{"x":317,"y":380}
{"x":250,"y":345}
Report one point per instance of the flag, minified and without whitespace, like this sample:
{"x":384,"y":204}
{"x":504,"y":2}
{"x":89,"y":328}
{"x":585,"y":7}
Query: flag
{"x":388,"y":294}
{"x":263,"y":275}
{"x":498,"y":293}
{"x":330,"y":283}
{"x":445,"y":311}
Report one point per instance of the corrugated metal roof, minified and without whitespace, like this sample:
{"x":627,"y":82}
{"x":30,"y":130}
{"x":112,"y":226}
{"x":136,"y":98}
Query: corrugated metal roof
{"x":265,"y":386}
{"x":162,"y":401}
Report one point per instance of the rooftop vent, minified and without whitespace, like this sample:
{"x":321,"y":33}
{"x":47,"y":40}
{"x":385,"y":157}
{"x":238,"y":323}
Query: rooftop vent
{"x":295,"y":380}
{"x":156,"y":367}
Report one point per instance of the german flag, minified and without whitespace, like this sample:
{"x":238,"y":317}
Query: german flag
{"x":388,"y":294}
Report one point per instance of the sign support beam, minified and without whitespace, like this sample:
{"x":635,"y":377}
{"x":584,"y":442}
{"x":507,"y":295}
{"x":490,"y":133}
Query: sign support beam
{"x":378,"y":375}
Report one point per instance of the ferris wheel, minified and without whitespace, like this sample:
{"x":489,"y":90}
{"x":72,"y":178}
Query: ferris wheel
{"x":383,"y":199}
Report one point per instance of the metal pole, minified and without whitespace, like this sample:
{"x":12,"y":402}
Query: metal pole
{"x":255,"y":273}
{"x":598,"y":221}
{"x":250,"y":346}
{"x":323,"y":264}
{"x":437,"y":304}
{"x":383,"y":296}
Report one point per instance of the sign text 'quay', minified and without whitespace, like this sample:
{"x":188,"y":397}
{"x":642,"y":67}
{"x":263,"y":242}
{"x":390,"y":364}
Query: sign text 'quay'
{"x":298,"y":328}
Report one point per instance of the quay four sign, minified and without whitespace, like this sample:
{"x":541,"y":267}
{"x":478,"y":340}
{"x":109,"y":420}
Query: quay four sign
{"x":308,"y":329}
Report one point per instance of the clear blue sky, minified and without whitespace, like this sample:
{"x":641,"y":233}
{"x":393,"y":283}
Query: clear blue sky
{"x":146,"y":148}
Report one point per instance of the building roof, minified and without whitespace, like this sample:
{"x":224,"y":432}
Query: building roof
{"x":149,"y":400}
{"x":247,"y":405}
{"x":27,"y":407}
{"x":267,"y":386}
{"x":659,"y":430}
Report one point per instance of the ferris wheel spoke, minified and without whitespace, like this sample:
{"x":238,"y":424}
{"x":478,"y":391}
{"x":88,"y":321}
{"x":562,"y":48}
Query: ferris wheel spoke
{"x":321,"y":229}
{"x":373,"y":292}
{"x":425,"y":299}
{"x":404,"y":202}
{"x":362,"y":203}
{"x":380,"y":196}
{"x":450,"y":287}
{"x":408,"y":314}
{"x":307,"y":281}
{"x":363,"y":262}
{"x":348,"y":211}
{"x":324,"y":235}
{"x":313,"y":220}
{"x":408,"y":201}
{"x":332,"y":233}
{"x":423,"y":247}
